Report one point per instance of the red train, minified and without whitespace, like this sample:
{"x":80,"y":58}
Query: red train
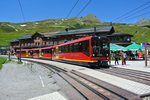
{"x":92,"y":51}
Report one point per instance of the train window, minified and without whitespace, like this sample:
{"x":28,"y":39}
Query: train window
{"x":71,"y":48}
{"x":36,"y":51}
{"x":17,"y":52}
{"x":48,"y":50}
{"x":100,"y":47}
{"x":54,"y":51}
{"x":43,"y":51}
{"x":66,"y":48}
{"x":85,"y":47}
{"x":105,"y":45}
{"x":62,"y":49}
{"x":76,"y":47}
{"x":80,"y":47}
{"x":23,"y":52}
{"x":30,"y":52}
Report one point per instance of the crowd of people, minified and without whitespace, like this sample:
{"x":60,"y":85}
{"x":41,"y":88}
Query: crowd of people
{"x":125,"y":55}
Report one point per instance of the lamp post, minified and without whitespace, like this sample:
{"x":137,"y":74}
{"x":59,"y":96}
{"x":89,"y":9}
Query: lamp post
{"x":20,"y":51}
{"x":147,"y":49}
{"x":9,"y":52}
{"x":146,"y":56}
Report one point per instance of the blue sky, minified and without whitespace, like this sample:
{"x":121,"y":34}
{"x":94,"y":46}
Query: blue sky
{"x":104,"y":10}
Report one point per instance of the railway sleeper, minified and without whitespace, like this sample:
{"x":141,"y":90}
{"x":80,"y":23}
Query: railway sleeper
{"x":116,"y":90}
{"x":107,"y":95}
{"x":87,"y":93}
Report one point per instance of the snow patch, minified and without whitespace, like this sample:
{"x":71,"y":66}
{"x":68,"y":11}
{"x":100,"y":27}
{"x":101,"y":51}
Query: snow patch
{"x":23,"y":25}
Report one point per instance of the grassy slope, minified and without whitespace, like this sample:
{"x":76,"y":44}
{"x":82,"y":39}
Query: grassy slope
{"x":9,"y":31}
{"x":141,"y":34}
{"x":2,"y":61}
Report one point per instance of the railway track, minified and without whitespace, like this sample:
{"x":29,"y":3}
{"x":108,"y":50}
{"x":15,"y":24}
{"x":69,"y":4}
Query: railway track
{"x":134,"y":75}
{"x":89,"y":87}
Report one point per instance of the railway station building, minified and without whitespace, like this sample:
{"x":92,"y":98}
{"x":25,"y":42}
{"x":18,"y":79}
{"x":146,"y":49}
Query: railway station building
{"x":53,"y":38}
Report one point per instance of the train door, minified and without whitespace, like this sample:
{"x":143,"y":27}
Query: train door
{"x":36,"y":54}
{"x":27,"y":53}
{"x":40,"y":53}
{"x":30,"y":53}
{"x":53,"y":53}
{"x":57,"y":53}
{"x":50,"y":53}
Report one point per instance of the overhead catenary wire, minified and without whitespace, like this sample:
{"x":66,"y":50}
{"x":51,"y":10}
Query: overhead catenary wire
{"x":132,"y":14}
{"x":124,"y":15}
{"x":22,"y":13}
{"x":72,"y":9}
{"x":84,"y":7}
{"x":139,"y":15}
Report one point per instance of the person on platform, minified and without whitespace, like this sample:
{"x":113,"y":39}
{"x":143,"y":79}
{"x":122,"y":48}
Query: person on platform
{"x":124,"y":58}
{"x":116,"y":56}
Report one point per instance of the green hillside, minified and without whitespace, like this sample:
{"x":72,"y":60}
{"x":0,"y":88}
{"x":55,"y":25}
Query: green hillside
{"x":141,"y":34}
{"x":144,"y":22}
{"x":10,"y":31}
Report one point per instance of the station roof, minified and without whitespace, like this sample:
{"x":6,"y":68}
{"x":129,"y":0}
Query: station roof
{"x":107,"y":29}
{"x":14,"y":40}
{"x":120,"y":34}
{"x":25,"y":37}
{"x":83,"y":31}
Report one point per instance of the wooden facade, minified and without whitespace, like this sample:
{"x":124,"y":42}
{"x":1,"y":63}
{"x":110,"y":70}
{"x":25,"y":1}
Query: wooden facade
{"x":53,"y":38}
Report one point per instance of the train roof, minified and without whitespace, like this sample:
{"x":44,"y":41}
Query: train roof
{"x":75,"y":41}
{"x":22,"y":49}
{"x":47,"y":47}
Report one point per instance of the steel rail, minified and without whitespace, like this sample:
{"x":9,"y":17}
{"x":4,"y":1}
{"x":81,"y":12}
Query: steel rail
{"x":127,"y":95}
{"x":99,"y":90}
{"x":126,"y":76}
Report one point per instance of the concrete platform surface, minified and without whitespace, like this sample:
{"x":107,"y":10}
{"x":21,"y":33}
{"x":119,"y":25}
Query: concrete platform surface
{"x":25,"y":81}
{"x":51,"y":96}
{"x":132,"y":86}
{"x":135,"y":65}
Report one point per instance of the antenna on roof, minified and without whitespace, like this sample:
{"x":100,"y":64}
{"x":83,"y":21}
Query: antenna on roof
{"x":94,"y":30}
{"x":66,"y":29}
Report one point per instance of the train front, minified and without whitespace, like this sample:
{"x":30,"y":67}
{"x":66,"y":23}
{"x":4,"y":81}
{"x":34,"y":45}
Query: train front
{"x":100,"y":51}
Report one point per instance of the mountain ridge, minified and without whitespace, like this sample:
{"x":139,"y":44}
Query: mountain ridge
{"x":10,"y":31}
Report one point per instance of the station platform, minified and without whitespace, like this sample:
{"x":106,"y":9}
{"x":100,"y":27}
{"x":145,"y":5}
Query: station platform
{"x":134,"y":65}
{"x":52,"y":96}
{"x":129,"y":85}
{"x":28,"y":81}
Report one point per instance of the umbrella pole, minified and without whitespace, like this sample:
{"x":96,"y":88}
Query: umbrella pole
{"x":145,"y":56}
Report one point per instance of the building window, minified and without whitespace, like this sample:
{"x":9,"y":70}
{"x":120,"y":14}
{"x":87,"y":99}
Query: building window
{"x":47,"y":43}
{"x":29,"y":44}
